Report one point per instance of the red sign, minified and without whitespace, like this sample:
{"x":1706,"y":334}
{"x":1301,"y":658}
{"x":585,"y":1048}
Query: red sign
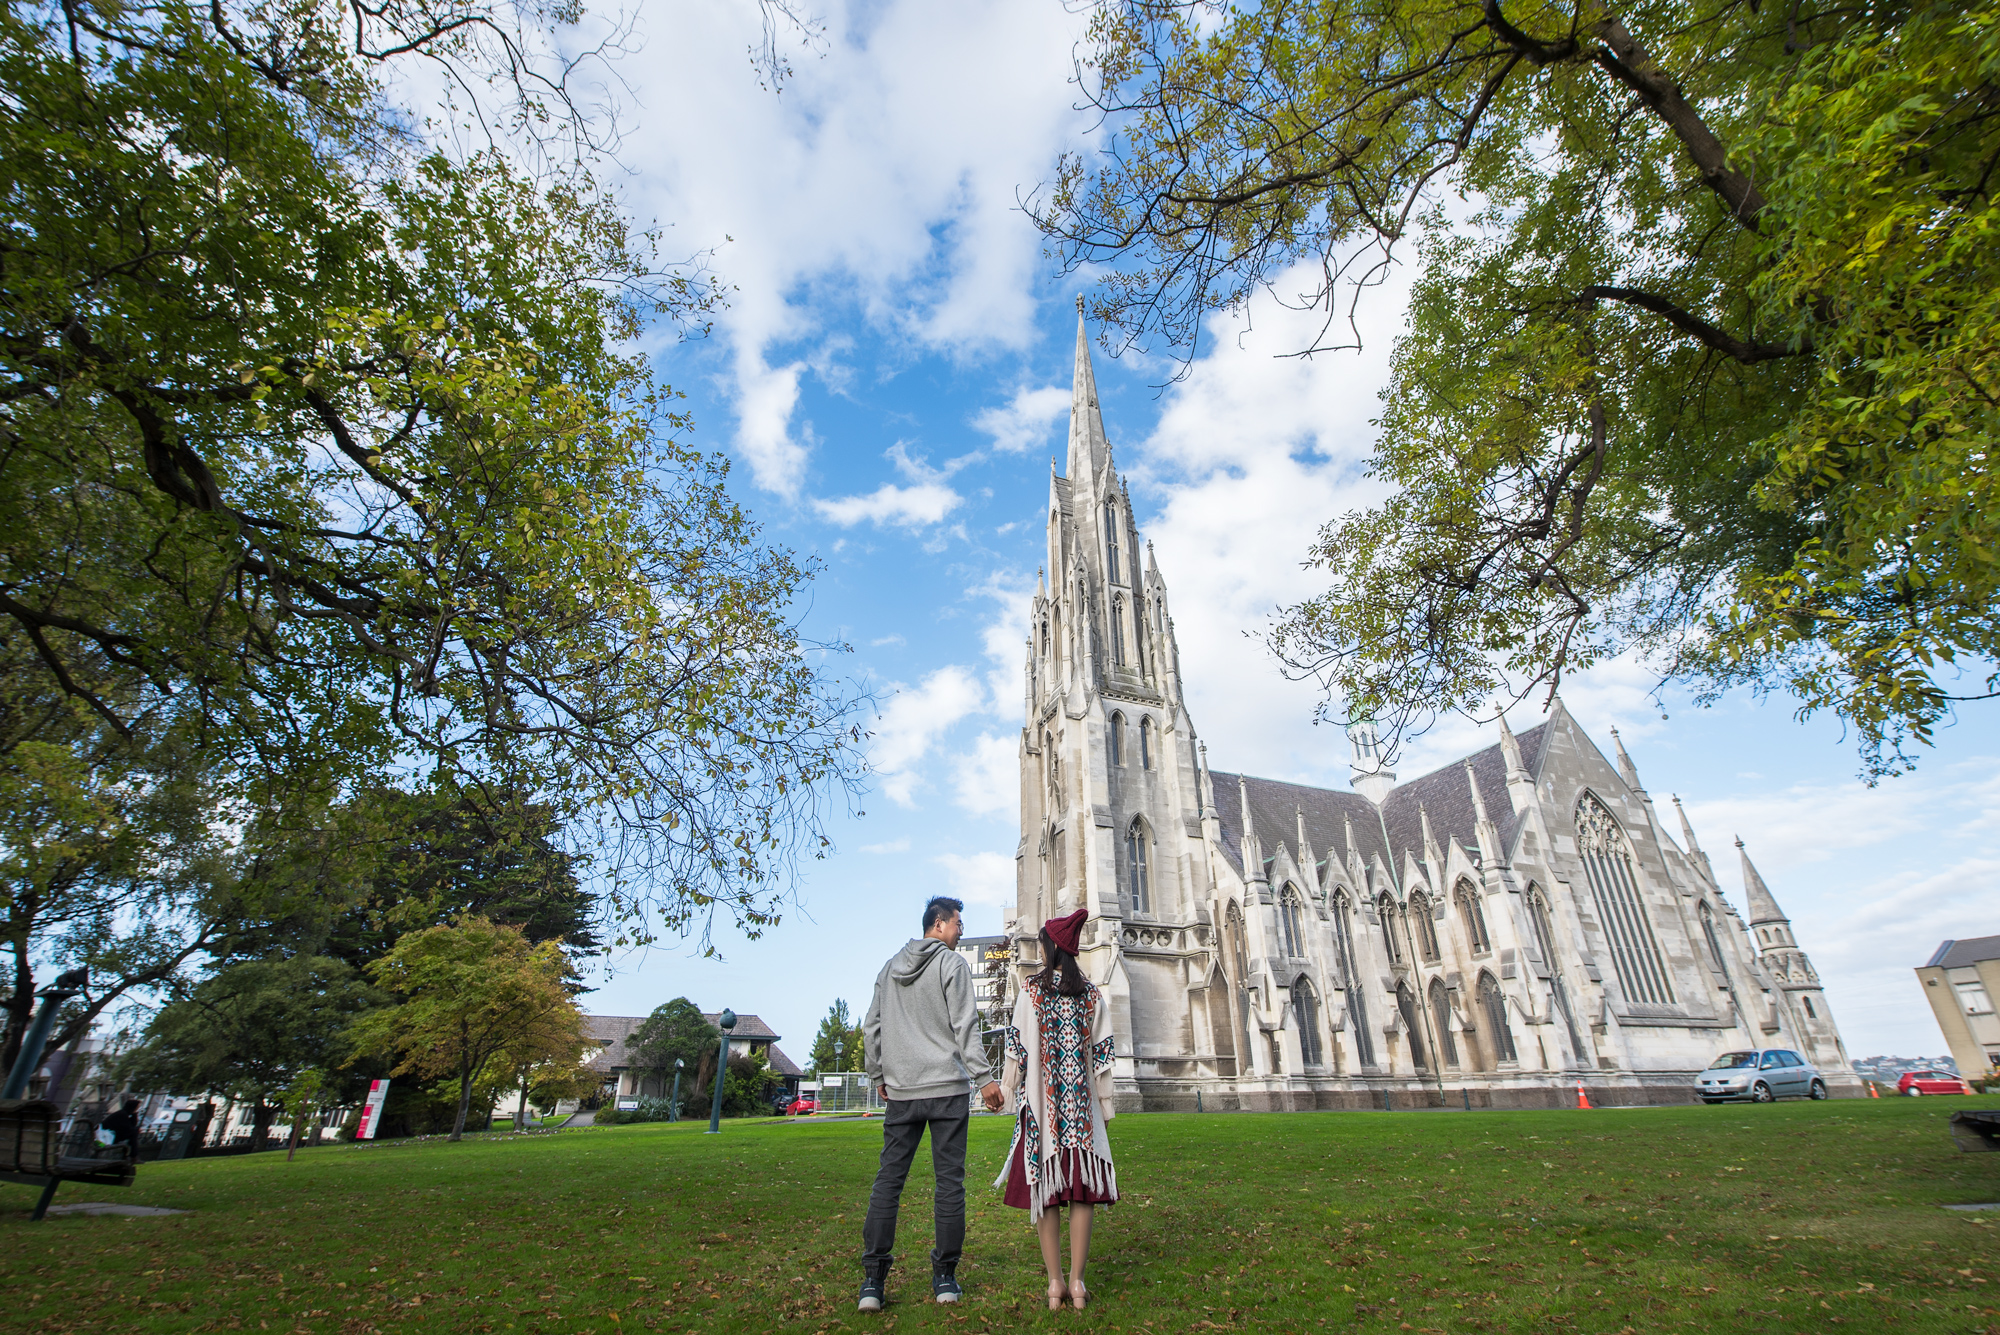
{"x":371,"y":1111}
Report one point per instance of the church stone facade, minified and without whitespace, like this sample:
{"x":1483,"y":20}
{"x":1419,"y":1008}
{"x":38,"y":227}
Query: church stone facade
{"x":1495,"y":932}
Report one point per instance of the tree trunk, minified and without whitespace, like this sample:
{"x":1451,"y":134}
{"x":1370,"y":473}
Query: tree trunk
{"x":521,"y":1108}
{"x":260,"y":1126}
{"x":464,"y":1102}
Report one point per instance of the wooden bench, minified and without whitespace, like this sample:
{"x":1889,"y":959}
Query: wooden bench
{"x":31,"y":1153}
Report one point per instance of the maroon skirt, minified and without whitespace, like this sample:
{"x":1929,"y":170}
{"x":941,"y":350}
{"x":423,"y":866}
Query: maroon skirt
{"x":1078,"y":1192}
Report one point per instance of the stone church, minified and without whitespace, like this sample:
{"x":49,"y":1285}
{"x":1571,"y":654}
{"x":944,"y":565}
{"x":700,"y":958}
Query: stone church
{"x":1492,"y":933}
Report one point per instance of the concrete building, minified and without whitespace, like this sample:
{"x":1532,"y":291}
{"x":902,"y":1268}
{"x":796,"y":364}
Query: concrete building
{"x":1960,"y":981}
{"x":1498,"y":930}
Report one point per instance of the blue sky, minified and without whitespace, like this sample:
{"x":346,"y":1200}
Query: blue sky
{"x":891,"y":380}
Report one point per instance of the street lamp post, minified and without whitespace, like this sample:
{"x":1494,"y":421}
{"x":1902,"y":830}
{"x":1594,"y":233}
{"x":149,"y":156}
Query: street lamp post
{"x":839,"y":1046}
{"x":37,"y":1038}
{"x":726,"y":1022}
{"x":674,"y":1108}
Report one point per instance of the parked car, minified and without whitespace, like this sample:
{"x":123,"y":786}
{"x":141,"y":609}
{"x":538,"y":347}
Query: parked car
{"x":804,"y":1103}
{"x":1762,"y":1075}
{"x":1914,"y":1083}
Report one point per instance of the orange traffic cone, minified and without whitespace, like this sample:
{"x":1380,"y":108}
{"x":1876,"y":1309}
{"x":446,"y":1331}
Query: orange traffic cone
{"x":1873,"y":1092}
{"x":1582,"y":1099}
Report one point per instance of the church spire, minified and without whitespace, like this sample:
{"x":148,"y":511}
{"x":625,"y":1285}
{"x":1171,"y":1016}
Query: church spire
{"x":1088,"y":448}
{"x":1763,"y":907}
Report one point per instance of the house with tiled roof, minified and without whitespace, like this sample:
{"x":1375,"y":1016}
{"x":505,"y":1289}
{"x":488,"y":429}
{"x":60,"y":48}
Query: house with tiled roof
{"x":1496,"y":933}
{"x":623,"y":1079}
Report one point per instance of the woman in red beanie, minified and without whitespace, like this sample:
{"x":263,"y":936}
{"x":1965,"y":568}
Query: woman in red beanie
{"x":1059,"y":1076}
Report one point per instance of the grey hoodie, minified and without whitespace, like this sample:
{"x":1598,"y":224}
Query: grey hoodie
{"x":922,"y":1031}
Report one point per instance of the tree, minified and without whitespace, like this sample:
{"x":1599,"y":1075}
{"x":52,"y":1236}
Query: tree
{"x":468,"y":991}
{"x":1707,"y":374}
{"x":548,"y":1055}
{"x":675,"y":1031}
{"x":331,"y":449}
{"x":252,"y":1030}
{"x":749,"y":1085}
{"x":837,"y":1025}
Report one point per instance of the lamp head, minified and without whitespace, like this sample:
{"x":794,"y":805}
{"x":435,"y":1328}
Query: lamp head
{"x":727,"y":1020}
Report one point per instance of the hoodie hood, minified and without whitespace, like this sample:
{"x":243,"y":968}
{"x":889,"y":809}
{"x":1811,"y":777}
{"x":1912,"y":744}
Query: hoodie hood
{"x":914,"y":958}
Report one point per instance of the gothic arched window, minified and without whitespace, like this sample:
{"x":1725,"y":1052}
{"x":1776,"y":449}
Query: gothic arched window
{"x":1543,"y":928}
{"x":1343,"y":947}
{"x":1305,"y":1009}
{"x":1475,"y":917}
{"x":1111,"y":543}
{"x":1145,"y":743}
{"x":1607,"y":864}
{"x":1406,"y":1006}
{"x":1118,"y":739}
{"x":1714,"y":942}
{"x":1291,"y":923}
{"x":1138,"y":872}
{"x":1441,"y":1017}
{"x":1118,"y":630}
{"x":1054,"y":767}
{"x":1385,"y":908}
{"x":1494,"y":1003}
{"x":1421,"y":926}
{"x":1059,"y":848}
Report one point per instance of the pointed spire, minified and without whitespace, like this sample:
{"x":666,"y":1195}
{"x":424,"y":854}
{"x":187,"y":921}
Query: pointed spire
{"x":1433,"y":855}
{"x":1253,"y":852}
{"x":1687,"y":830}
{"x":1510,"y":749}
{"x":1478,"y":802}
{"x":1763,"y":907}
{"x":1087,"y":446}
{"x":1490,"y":852}
{"x":1626,"y":768}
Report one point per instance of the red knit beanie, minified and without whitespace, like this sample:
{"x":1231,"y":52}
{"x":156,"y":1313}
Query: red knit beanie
{"x":1065,"y":930}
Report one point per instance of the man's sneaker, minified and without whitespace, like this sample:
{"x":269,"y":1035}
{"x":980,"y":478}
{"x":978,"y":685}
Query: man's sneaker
{"x":874,"y":1291}
{"x":944,"y":1286}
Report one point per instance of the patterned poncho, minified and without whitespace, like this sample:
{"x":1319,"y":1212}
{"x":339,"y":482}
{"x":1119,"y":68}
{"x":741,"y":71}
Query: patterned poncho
{"x":1058,"y":1076}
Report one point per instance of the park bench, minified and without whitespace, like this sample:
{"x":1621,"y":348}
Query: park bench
{"x":32,"y":1153}
{"x":1977,"y":1131}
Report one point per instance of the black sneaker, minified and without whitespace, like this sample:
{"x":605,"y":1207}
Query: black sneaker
{"x":944,"y":1286}
{"x":874,"y":1291}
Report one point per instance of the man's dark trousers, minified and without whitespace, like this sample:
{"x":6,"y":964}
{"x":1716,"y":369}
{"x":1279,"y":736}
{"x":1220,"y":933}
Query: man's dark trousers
{"x":902,"y":1128}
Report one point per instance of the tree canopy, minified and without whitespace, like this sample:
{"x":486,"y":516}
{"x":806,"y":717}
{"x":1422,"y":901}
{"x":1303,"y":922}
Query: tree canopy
{"x":477,"y":1002}
{"x":1703,"y":357}
{"x":836,"y":1026}
{"x":327,"y":453}
{"x":676,"y":1030}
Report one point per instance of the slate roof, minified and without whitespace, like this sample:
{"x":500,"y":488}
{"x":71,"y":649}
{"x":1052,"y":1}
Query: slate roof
{"x":1964,"y":954}
{"x":613,"y":1032}
{"x":1443,"y":793}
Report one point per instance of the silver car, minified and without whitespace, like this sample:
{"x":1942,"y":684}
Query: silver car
{"x":1762,"y":1075}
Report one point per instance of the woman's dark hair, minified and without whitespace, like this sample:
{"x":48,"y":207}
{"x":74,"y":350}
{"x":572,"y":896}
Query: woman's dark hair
{"x":1059,"y":972}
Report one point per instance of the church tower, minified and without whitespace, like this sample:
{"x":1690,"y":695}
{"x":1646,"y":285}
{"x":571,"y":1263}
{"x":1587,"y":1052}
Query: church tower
{"x":1807,"y":1014}
{"x":1110,"y":791}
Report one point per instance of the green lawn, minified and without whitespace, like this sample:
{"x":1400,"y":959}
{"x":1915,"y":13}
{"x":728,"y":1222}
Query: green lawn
{"x":1795,"y":1218}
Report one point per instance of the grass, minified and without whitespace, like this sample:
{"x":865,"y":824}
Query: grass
{"x":1794,"y":1218}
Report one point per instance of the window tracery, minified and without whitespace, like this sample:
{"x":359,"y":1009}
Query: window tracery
{"x":1343,"y":946}
{"x":1386,"y":909}
{"x":1305,"y":1010}
{"x":1406,"y":1006}
{"x":1474,"y":916}
{"x":1118,"y":630}
{"x":1422,"y":928}
{"x":1146,"y":743}
{"x":1494,"y":1003}
{"x":1138,"y":870}
{"x":1441,"y":1017}
{"x":1291,"y":928}
{"x":1609,"y":867}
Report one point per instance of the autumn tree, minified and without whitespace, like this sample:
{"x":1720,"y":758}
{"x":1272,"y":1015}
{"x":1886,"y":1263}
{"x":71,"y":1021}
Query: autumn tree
{"x":676,"y":1031}
{"x":1702,"y":352}
{"x":467,"y":992}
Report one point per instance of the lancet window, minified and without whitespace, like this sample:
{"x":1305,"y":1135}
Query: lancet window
{"x":1608,"y":865}
{"x":1406,"y":1006}
{"x":1543,"y":927}
{"x":1714,"y":941}
{"x":1343,"y":945}
{"x":1305,"y":1010}
{"x":1118,"y":739}
{"x":1421,"y":926}
{"x":1145,"y":743}
{"x":1494,"y":1003}
{"x":1111,"y":543}
{"x":1138,"y":870}
{"x":1291,"y":923}
{"x":1441,"y":1018}
{"x":1118,"y":630}
{"x":1475,"y":917}
{"x":1385,"y":908}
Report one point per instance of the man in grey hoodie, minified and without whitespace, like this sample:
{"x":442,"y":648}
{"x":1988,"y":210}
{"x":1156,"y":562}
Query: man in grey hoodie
{"x":924,"y":1054}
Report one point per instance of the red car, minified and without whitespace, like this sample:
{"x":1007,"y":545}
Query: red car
{"x":805,"y":1103}
{"x":1914,"y":1083}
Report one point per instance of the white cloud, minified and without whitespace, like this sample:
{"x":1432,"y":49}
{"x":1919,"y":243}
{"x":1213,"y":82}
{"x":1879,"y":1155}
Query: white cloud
{"x":883,"y":180}
{"x":898,"y":507}
{"x":985,"y":879}
{"x":1024,"y":421}
{"x":892,"y":846}
{"x":913,"y":720}
{"x":988,"y":777}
